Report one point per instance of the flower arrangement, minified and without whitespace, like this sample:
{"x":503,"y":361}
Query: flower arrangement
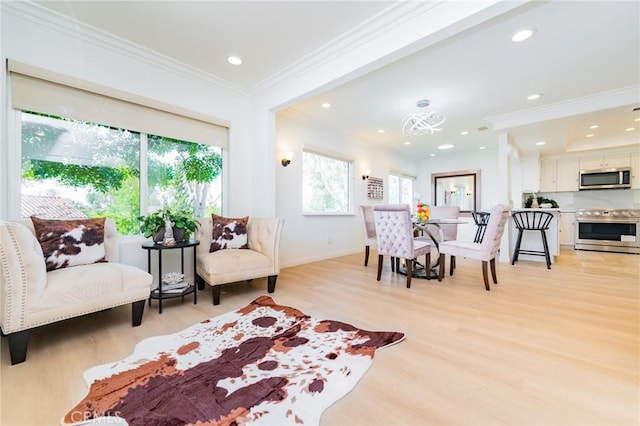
{"x":422,"y":212}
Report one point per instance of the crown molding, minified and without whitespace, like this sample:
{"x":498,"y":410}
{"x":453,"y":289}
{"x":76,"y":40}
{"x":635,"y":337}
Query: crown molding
{"x":596,"y":102}
{"x":66,"y":25}
{"x":390,"y":18}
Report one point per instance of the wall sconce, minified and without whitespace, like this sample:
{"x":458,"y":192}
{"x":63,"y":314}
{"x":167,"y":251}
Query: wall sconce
{"x":366,"y":174}
{"x":286,"y":160}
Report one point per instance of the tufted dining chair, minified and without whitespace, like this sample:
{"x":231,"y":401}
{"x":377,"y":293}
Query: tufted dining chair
{"x":369,"y":228}
{"x":394,"y":231}
{"x":485,"y":251}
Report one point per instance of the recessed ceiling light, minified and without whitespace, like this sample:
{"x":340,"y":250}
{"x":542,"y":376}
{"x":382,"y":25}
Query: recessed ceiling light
{"x":326,"y":105}
{"x":590,"y":135}
{"x":380,"y":130}
{"x":541,"y":143}
{"x":595,"y":126}
{"x":445,"y":146}
{"x":432,"y":155}
{"x":534,"y":97}
{"x":630,"y":129}
{"x":637,"y":119}
{"x":407,"y":143}
{"x":464,"y":132}
{"x":483,"y":147}
{"x":523,"y":35}
{"x":234,"y":60}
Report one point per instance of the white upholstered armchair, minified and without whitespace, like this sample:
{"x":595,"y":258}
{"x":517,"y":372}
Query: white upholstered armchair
{"x":230,"y":265}
{"x":31,"y":297}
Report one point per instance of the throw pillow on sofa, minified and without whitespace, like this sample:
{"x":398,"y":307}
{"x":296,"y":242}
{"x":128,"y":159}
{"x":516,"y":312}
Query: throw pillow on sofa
{"x":229,"y":233}
{"x":73,"y":242}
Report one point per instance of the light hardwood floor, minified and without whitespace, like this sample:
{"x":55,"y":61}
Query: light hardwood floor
{"x":544,"y":347}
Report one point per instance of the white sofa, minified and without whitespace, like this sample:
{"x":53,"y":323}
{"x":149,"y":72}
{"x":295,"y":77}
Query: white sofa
{"x":30,"y":296}
{"x":261,"y":259}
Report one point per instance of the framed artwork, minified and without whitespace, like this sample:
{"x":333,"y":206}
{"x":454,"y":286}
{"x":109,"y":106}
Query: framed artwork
{"x":375,"y":188}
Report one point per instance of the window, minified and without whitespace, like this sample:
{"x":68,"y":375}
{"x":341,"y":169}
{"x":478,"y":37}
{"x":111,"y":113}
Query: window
{"x":401,"y":190}
{"x":72,"y":168}
{"x":326,"y":184}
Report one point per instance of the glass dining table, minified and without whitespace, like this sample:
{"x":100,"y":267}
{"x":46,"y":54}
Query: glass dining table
{"x":424,"y":228}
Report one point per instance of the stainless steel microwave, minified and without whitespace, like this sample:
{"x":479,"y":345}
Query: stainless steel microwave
{"x":619,"y":178}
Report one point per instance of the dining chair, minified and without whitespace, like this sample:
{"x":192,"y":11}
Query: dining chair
{"x":369,"y":228}
{"x":394,"y":231}
{"x":485,"y":251}
{"x":449,"y":232}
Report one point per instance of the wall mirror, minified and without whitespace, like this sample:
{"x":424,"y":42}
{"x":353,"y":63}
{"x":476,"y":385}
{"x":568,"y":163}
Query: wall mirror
{"x":460,"y":188}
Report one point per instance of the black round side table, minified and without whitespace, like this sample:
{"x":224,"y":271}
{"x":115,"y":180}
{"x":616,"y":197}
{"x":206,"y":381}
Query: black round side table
{"x":158,"y":293}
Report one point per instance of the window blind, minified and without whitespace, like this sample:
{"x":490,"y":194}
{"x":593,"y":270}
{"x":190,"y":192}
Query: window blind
{"x":38,"y":90}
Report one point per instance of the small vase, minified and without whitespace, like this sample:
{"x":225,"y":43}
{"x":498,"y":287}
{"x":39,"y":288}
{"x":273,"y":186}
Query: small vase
{"x":534,"y":204}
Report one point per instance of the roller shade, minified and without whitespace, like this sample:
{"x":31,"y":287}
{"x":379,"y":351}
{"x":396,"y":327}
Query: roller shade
{"x":37,"y":90}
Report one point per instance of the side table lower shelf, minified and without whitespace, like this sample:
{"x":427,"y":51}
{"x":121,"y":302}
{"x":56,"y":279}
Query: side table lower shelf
{"x":169,"y":294}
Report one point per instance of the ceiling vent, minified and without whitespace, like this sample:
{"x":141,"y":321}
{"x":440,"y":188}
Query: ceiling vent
{"x":482,"y":128}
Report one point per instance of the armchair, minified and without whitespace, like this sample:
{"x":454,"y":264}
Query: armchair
{"x":260,"y":259}
{"x":30,"y":296}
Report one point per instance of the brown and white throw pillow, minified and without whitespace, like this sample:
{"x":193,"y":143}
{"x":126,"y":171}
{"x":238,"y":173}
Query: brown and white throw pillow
{"x":229,"y":233}
{"x":73,"y":242}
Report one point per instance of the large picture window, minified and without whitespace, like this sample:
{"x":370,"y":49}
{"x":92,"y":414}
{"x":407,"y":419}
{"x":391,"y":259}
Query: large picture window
{"x":401,"y":190}
{"x":75,"y":169}
{"x":326,"y":184}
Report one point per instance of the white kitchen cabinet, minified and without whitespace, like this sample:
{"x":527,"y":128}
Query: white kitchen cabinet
{"x":567,"y":175}
{"x":635,"y":170}
{"x":559,"y":175}
{"x":548,"y":170}
{"x":567,"y":228}
{"x":605,"y":161}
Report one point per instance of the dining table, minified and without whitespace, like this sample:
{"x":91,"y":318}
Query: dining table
{"x":419,"y":270}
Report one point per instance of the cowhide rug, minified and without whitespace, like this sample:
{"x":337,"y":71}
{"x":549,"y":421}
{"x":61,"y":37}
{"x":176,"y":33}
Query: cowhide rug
{"x":264,"y":364}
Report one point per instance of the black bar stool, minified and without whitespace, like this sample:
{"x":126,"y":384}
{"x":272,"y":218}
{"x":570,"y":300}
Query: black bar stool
{"x":532,"y":221}
{"x":481,"y":219}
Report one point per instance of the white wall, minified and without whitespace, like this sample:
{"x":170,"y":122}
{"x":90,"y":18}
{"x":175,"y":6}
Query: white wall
{"x":311,"y":238}
{"x":44,"y":42}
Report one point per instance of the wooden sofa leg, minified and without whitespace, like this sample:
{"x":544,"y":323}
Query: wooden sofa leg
{"x":18,"y":346}
{"x":215,"y":290}
{"x":271,"y":283}
{"x":137,"y":309}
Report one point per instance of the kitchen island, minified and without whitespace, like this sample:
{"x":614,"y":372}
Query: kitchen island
{"x":532,"y":240}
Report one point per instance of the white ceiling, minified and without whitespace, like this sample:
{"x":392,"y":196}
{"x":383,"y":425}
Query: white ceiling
{"x":584,"y":58}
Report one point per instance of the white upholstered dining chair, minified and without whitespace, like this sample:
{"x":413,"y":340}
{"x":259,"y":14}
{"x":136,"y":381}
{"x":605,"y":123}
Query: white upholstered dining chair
{"x":485,"y":251}
{"x":369,"y":228}
{"x":394,"y":231}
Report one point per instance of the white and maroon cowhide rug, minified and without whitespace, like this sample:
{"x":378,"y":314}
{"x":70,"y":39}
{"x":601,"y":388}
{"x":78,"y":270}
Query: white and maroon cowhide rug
{"x":263,"y":364}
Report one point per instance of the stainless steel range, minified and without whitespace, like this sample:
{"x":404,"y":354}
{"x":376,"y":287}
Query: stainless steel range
{"x":608,"y":230}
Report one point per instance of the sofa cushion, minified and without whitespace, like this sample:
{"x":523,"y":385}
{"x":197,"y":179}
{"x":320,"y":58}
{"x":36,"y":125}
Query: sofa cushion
{"x":229,"y":233}
{"x":233,"y":261}
{"x":67,"y":243}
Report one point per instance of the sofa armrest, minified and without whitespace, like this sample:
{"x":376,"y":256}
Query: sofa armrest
{"x":23,"y":274}
{"x":264,"y":237}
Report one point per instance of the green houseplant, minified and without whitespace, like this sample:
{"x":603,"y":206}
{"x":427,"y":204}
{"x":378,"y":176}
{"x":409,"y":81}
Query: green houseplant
{"x":152,"y":225}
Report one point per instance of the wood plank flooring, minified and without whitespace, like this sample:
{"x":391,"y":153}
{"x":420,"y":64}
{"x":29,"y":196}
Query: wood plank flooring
{"x":543,"y":347}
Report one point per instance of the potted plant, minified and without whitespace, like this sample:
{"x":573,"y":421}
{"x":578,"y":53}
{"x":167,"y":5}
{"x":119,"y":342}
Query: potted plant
{"x":153,"y":224}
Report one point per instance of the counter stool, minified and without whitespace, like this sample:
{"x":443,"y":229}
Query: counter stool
{"x":532,"y":221}
{"x":481,"y":219}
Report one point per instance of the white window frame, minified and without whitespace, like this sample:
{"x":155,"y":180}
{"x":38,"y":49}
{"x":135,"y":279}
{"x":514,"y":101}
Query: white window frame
{"x":350,"y":180}
{"x":400,"y":177}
